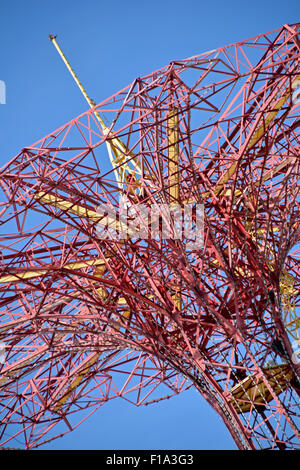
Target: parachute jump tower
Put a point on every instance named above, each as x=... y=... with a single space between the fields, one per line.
x=85 y=319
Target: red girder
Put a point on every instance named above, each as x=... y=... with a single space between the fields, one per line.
x=85 y=320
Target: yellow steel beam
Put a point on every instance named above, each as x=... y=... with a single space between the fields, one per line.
x=76 y=209
x=173 y=156
x=76 y=382
x=83 y=371
x=116 y=149
x=252 y=390
x=88 y=99
x=258 y=133
x=173 y=174
x=67 y=206
x=228 y=192
x=31 y=273
x=13 y=369
x=288 y=293
x=270 y=117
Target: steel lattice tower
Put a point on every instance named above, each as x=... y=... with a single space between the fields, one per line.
x=86 y=319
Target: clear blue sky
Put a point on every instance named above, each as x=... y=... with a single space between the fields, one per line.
x=109 y=43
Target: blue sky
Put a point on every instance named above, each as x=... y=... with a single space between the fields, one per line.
x=109 y=44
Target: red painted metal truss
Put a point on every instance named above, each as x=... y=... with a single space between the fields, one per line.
x=85 y=319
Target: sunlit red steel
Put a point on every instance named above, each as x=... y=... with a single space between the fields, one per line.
x=85 y=320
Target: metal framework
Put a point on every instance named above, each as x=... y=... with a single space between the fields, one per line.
x=85 y=319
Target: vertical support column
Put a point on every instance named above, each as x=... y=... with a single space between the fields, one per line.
x=173 y=156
